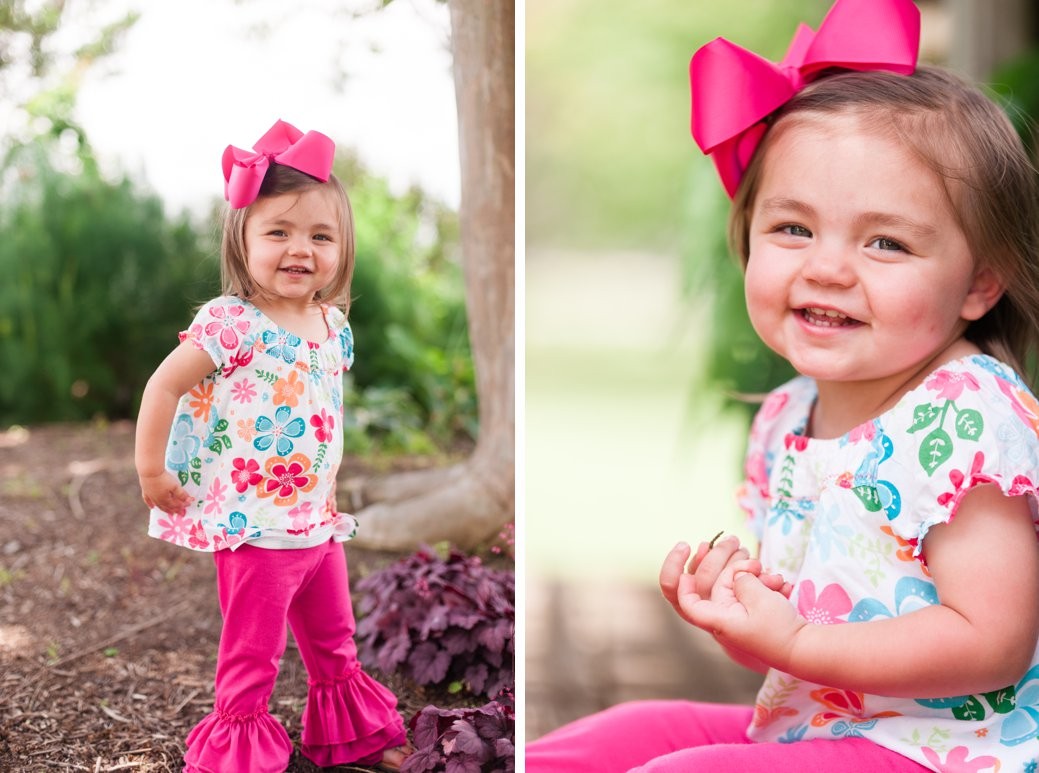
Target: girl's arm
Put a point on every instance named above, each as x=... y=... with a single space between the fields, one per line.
x=184 y=368
x=979 y=637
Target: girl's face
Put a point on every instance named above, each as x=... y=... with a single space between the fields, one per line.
x=291 y=244
x=858 y=274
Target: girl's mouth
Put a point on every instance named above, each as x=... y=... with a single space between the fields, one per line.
x=296 y=270
x=820 y=317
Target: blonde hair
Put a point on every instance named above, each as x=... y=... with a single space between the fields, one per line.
x=969 y=143
x=280 y=180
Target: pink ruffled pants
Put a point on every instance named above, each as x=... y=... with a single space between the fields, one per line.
x=679 y=736
x=349 y=717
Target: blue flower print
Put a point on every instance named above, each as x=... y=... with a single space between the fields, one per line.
x=910 y=594
x=1022 y=724
x=281 y=344
x=278 y=430
x=794 y=734
x=183 y=446
x=236 y=524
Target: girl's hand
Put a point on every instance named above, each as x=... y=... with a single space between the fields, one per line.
x=744 y=614
x=164 y=492
x=707 y=566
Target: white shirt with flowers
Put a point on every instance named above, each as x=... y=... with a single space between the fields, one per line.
x=257 y=443
x=844 y=520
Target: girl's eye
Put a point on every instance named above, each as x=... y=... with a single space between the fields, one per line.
x=883 y=243
x=323 y=237
x=276 y=233
x=796 y=230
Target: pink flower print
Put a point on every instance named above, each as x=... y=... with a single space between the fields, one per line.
x=957 y=761
x=324 y=424
x=797 y=442
x=198 y=539
x=949 y=385
x=961 y=483
x=866 y=431
x=773 y=404
x=175 y=528
x=243 y=391
x=1023 y=403
x=831 y=605
x=237 y=361
x=227 y=325
x=301 y=519
x=246 y=473
x=215 y=497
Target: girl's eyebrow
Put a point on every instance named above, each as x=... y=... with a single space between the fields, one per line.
x=281 y=222
x=781 y=204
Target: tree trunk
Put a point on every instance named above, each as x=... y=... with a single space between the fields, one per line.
x=468 y=503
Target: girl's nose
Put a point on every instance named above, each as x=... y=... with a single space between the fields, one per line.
x=299 y=247
x=828 y=266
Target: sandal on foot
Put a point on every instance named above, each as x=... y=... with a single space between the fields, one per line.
x=394 y=757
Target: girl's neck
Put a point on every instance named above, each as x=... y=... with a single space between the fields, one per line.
x=841 y=406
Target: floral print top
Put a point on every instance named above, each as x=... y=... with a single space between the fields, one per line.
x=258 y=442
x=844 y=520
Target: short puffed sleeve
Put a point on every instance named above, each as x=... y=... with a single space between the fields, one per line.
x=223 y=329
x=973 y=422
x=783 y=411
x=340 y=327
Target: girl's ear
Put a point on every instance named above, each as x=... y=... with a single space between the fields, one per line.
x=983 y=294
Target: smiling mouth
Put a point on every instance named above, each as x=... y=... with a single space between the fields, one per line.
x=820 y=317
x=296 y=270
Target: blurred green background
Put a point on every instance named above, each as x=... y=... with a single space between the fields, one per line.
x=635 y=328
x=630 y=445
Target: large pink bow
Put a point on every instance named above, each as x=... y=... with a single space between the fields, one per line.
x=734 y=90
x=310 y=153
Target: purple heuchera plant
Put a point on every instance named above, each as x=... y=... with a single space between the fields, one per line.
x=440 y=620
x=476 y=740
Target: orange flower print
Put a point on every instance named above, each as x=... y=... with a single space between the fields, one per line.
x=905 y=549
x=203 y=401
x=288 y=390
x=846 y=705
x=286 y=479
x=246 y=430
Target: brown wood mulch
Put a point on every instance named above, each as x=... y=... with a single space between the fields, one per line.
x=108 y=638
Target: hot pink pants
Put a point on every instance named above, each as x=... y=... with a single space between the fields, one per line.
x=679 y=736
x=349 y=717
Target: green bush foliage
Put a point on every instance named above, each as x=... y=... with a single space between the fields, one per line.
x=98 y=281
x=95 y=280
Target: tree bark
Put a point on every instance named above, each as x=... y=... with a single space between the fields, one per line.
x=471 y=501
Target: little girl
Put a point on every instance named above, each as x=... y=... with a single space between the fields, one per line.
x=238 y=442
x=887 y=219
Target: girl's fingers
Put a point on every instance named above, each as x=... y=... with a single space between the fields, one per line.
x=672 y=570
x=714 y=562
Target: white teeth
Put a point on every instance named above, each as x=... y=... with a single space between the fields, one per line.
x=825 y=312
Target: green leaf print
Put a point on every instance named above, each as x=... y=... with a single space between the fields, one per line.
x=924 y=415
x=935 y=450
x=972 y=709
x=969 y=424
x=1002 y=701
x=226 y=441
x=196 y=463
x=182 y=476
x=869 y=497
x=221 y=426
x=197 y=478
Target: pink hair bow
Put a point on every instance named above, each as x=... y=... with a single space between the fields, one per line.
x=310 y=153
x=734 y=90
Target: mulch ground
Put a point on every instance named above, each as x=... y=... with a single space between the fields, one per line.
x=108 y=638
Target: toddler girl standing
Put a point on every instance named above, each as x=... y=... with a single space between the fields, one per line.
x=239 y=440
x=888 y=222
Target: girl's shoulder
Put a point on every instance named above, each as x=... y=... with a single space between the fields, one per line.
x=786 y=408
x=973 y=388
